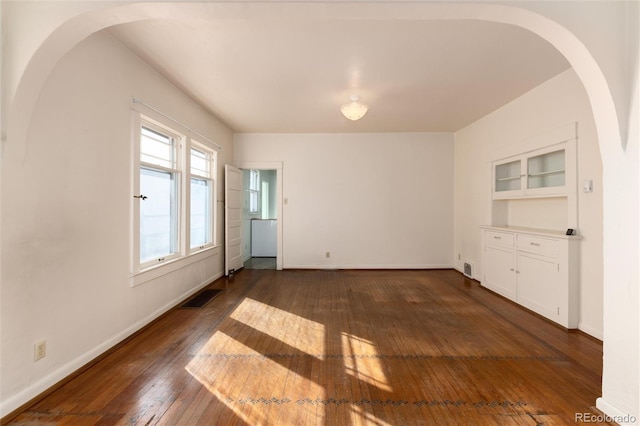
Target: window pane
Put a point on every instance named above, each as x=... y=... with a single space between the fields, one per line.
x=200 y=163
x=158 y=214
x=156 y=148
x=253 y=201
x=254 y=180
x=200 y=212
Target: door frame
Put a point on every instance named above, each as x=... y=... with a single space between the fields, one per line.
x=277 y=166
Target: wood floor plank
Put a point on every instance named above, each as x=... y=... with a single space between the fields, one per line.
x=338 y=347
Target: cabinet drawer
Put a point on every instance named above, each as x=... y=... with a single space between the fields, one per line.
x=533 y=244
x=499 y=238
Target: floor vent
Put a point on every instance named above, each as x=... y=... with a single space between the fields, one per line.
x=202 y=298
x=468 y=269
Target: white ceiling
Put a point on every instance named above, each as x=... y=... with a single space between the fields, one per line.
x=281 y=76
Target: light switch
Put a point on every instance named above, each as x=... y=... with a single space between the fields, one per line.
x=587 y=186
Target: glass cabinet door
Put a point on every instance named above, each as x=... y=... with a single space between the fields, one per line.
x=546 y=170
x=507 y=176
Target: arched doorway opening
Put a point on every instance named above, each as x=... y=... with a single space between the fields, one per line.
x=71 y=32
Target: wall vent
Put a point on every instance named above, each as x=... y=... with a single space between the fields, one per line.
x=468 y=269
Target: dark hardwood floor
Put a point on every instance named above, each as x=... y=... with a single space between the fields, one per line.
x=338 y=348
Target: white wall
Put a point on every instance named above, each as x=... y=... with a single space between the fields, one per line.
x=66 y=222
x=509 y=130
x=371 y=200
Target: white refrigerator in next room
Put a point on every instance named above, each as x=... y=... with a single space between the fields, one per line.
x=263 y=237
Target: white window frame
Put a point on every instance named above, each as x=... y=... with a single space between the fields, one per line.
x=141 y=272
x=176 y=172
x=209 y=176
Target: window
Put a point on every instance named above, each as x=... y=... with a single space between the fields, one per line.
x=159 y=184
x=201 y=208
x=174 y=189
x=254 y=191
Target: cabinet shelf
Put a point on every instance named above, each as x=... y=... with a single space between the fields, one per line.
x=551 y=172
x=506 y=179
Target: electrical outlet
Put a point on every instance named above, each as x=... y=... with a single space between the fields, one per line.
x=39 y=350
x=327 y=254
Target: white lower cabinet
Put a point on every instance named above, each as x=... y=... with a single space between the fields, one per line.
x=537 y=269
x=540 y=284
x=499 y=263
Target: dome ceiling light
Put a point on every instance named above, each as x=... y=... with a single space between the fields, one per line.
x=354 y=110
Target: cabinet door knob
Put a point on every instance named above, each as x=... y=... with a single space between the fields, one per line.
x=511 y=269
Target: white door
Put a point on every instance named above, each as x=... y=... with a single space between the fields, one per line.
x=232 y=219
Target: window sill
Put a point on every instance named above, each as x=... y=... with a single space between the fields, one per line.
x=172 y=265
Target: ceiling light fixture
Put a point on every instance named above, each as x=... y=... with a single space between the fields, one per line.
x=354 y=110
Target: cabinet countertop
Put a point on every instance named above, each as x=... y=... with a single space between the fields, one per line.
x=533 y=231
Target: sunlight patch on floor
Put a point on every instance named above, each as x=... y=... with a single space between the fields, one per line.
x=254 y=387
x=300 y=333
x=360 y=361
x=360 y=416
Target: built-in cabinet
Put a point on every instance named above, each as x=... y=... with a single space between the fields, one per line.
x=537 y=269
x=540 y=173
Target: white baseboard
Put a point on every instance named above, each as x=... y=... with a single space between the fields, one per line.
x=614 y=414
x=590 y=331
x=25 y=395
x=376 y=266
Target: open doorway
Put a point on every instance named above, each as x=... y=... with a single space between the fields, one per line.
x=259 y=219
